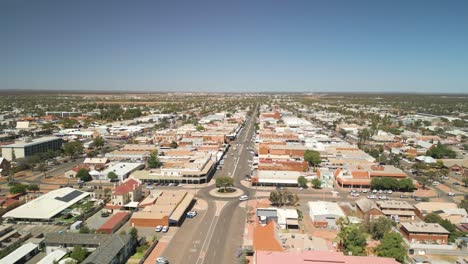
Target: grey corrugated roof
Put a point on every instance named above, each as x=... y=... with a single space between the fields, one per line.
x=108 y=249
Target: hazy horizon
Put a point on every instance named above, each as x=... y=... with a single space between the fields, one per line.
x=242 y=46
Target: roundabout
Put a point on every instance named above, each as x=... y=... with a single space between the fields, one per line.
x=236 y=193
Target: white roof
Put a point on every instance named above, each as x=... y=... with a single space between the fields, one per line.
x=53 y=256
x=19 y=253
x=48 y=205
x=22 y=144
x=325 y=208
x=122 y=168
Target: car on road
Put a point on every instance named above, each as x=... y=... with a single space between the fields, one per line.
x=192 y=214
x=419 y=199
x=404 y=196
x=383 y=197
x=451 y=194
x=456 y=183
x=435 y=183
x=158 y=228
x=162 y=260
x=301 y=188
x=165 y=229
x=372 y=196
x=149 y=187
x=243 y=198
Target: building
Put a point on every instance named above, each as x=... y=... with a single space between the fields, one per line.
x=112 y=249
x=421 y=232
x=10 y=237
x=30 y=147
x=129 y=191
x=315 y=257
x=325 y=214
x=285 y=218
x=53 y=257
x=401 y=210
x=21 y=254
x=448 y=211
x=122 y=169
x=272 y=177
x=368 y=209
x=169 y=208
x=114 y=223
x=46 y=207
x=356 y=176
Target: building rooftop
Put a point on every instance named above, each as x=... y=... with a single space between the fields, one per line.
x=393 y=204
x=422 y=227
x=22 y=144
x=19 y=253
x=126 y=186
x=325 y=208
x=48 y=205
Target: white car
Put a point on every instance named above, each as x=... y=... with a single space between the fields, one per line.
x=243 y=198
x=165 y=229
x=158 y=228
x=162 y=260
x=451 y=194
x=191 y=214
x=390 y=192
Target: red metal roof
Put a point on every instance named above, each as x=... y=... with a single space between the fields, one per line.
x=115 y=220
x=126 y=187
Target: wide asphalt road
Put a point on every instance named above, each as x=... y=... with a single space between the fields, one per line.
x=215 y=235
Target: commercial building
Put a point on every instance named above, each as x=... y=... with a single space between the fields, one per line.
x=21 y=254
x=285 y=218
x=46 y=207
x=325 y=214
x=448 y=211
x=29 y=147
x=168 y=209
x=356 y=176
x=122 y=169
x=270 y=177
x=428 y=233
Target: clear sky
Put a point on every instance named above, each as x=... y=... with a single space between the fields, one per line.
x=254 y=45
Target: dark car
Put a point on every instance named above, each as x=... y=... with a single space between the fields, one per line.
x=456 y=183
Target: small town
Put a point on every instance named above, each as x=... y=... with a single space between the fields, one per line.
x=187 y=178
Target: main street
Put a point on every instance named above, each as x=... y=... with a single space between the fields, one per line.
x=215 y=235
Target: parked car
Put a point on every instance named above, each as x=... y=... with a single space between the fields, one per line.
x=403 y=196
x=243 y=198
x=456 y=183
x=158 y=228
x=451 y=194
x=162 y=260
x=165 y=229
x=192 y=214
x=419 y=199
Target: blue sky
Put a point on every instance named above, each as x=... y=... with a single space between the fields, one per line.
x=241 y=46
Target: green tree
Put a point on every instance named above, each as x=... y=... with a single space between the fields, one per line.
x=79 y=254
x=43 y=168
x=432 y=218
x=316 y=183
x=283 y=197
x=153 y=160
x=440 y=151
x=83 y=174
x=391 y=246
x=133 y=232
x=353 y=240
x=98 y=142
x=85 y=230
x=224 y=182
x=302 y=181
x=200 y=128
x=73 y=148
x=312 y=157
x=379 y=227
x=112 y=176
x=18 y=188
x=33 y=187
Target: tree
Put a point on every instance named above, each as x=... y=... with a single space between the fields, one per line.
x=43 y=168
x=200 y=128
x=353 y=240
x=224 y=182
x=440 y=151
x=133 y=232
x=364 y=135
x=112 y=176
x=312 y=157
x=153 y=160
x=33 y=187
x=73 y=148
x=283 y=197
x=174 y=145
x=391 y=246
x=83 y=174
x=107 y=191
x=316 y=183
x=85 y=230
x=78 y=253
x=98 y=142
x=379 y=227
x=302 y=181
x=432 y=218
x=18 y=188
